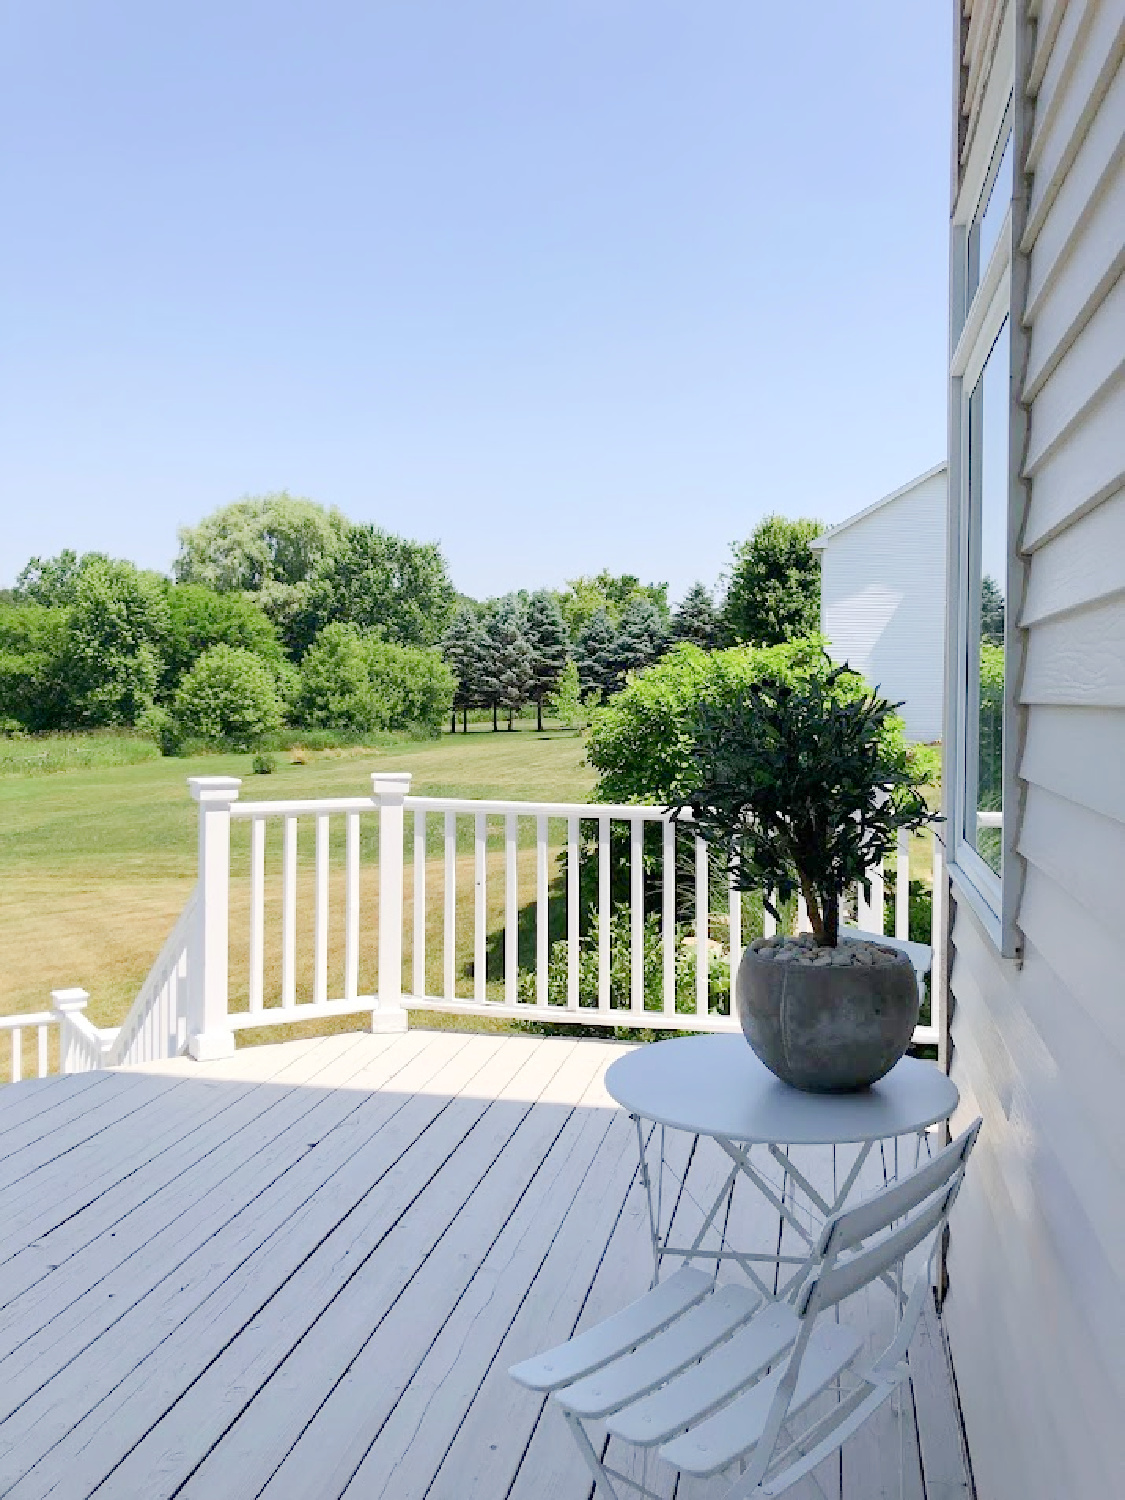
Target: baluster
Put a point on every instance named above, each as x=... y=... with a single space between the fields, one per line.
x=769 y=921
x=351 y=907
x=803 y=923
x=542 y=930
x=902 y=886
x=636 y=914
x=289 y=915
x=419 y=902
x=320 y=941
x=702 y=926
x=572 y=895
x=511 y=909
x=734 y=906
x=44 y=1043
x=480 y=909
x=257 y=911
x=16 y=1034
x=450 y=949
x=668 y=915
x=603 y=913
x=878 y=910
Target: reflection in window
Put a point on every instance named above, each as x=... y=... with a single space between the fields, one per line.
x=986 y=227
x=987 y=578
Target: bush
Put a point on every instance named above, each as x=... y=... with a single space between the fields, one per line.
x=356 y=684
x=641 y=743
x=264 y=764
x=34 y=692
x=229 y=696
x=118 y=633
x=201 y=618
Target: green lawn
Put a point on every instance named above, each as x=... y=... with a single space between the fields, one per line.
x=96 y=861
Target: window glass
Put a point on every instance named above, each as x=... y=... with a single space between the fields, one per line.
x=988 y=587
x=990 y=217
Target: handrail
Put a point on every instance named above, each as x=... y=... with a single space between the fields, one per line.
x=156 y=1026
x=38 y=1020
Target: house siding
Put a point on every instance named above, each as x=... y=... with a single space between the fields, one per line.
x=1036 y=1265
x=882 y=593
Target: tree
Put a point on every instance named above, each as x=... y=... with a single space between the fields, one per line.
x=583 y=597
x=334 y=687
x=35 y=692
x=549 y=641
x=465 y=647
x=509 y=677
x=773 y=594
x=276 y=539
x=228 y=696
x=565 y=701
x=200 y=618
x=599 y=664
x=118 y=634
x=53 y=580
x=991 y=612
x=642 y=636
x=696 y=619
x=397 y=588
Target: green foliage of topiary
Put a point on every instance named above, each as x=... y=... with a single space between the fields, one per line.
x=229 y=697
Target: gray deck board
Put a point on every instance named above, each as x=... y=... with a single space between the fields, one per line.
x=305 y=1270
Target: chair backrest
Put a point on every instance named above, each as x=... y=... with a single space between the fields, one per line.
x=921 y=1201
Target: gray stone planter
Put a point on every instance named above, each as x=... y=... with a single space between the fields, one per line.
x=827 y=1020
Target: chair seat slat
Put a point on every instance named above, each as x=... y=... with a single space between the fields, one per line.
x=662 y=1355
x=616 y=1335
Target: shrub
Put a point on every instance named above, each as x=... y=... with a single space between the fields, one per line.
x=229 y=696
x=357 y=684
x=264 y=764
x=201 y=618
x=34 y=694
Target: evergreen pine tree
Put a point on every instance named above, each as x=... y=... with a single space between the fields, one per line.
x=509 y=675
x=599 y=663
x=549 y=641
x=696 y=619
x=465 y=647
x=641 y=636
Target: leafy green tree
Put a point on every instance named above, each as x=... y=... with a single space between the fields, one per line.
x=413 y=687
x=549 y=641
x=773 y=594
x=509 y=677
x=565 y=701
x=991 y=612
x=397 y=588
x=465 y=647
x=641 y=637
x=584 y=597
x=599 y=664
x=696 y=620
x=334 y=689
x=53 y=580
x=200 y=618
x=35 y=693
x=118 y=634
x=263 y=539
x=229 y=696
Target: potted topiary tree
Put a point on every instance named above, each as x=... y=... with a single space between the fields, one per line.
x=802 y=787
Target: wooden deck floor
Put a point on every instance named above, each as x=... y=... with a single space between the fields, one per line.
x=304 y=1272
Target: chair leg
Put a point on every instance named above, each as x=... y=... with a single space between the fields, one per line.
x=593 y=1462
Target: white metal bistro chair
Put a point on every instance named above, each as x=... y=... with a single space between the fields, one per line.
x=713 y=1377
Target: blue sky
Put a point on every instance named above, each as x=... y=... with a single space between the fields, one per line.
x=564 y=284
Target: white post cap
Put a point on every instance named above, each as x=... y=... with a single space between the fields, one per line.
x=68 y=1000
x=215 y=788
x=391 y=785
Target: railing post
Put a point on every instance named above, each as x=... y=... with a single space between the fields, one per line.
x=66 y=1003
x=209 y=1034
x=389 y=790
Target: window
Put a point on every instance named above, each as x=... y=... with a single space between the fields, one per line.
x=987 y=579
x=979 y=759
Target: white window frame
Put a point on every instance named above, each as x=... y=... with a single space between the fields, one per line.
x=976 y=323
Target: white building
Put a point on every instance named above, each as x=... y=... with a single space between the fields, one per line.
x=882 y=597
x=1036 y=826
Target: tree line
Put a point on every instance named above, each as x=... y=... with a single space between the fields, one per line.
x=281 y=611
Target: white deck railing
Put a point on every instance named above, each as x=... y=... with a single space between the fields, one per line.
x=540 y=911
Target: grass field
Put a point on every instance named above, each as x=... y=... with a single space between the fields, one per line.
x=97 y=861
